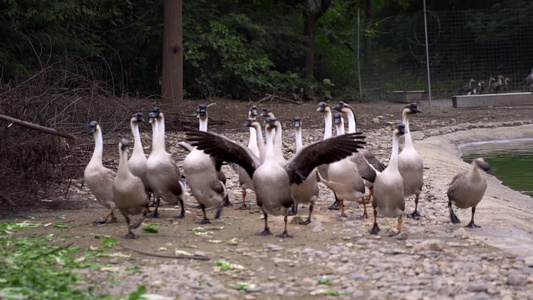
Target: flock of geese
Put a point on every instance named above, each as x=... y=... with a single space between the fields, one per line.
x=280 y=184
x=492 y=87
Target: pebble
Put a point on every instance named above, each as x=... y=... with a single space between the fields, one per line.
x=515 y=278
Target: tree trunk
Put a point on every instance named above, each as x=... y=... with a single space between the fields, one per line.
x=368 y=39
x=311 y=16
x=172 y=76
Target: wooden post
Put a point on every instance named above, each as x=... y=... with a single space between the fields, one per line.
x=37 y=127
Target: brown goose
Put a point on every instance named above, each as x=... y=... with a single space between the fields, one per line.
x=163 y=174
x=203 y=175
x=323 y=169
x=307 y=191
x=388 y=199
x=130 y=196
x=344 y=179
x=410 y=163
x=367 y=164
x=137 y=161
x=467 y=189
x=272 y=181
x=98 y=178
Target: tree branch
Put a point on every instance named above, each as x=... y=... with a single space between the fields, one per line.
x=37 y=127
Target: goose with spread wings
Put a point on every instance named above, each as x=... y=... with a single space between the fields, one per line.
x=272 y=182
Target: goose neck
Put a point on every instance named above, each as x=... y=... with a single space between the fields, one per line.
x=203 y=124
x=137 y=147
x=269 y=145
x=340 y=128
x=298 y=137
x=407 y=135
x=393 y=162
x=352 y=126
x=253 y=137
x=160 y=140
x=123 y=170
x=328 y=124
x=278 y=136
x=98 y=147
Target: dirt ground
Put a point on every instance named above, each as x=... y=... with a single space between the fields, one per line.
x=277 y=267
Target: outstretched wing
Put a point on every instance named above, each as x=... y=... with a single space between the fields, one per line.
x=323 y=152
x=223 y=149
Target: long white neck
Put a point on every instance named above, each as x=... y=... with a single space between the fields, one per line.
x=260 y=142
x=203 y=124
x=278 y=137
x=155 y=132
x=137 y=147
x=352 y=126
x=393 y=162
x=98 y=147
x=328 y=126
x=269 y=155
x=252 y=143
x=476 y=173
x=123 y=170
x=298 y=137
x=340 y=128
x=407 y=136
x=160 y=146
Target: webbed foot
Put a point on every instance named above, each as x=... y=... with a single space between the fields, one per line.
x=265 y=232
x=335 y=205
x=306 y=222
x=414 y=215
x=284 y=235
x=129 y=236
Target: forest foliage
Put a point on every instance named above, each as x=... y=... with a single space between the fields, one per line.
x=232 y=48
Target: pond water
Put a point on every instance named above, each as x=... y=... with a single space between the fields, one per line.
x=511 y=161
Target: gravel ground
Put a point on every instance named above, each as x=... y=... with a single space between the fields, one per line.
x=332 y=257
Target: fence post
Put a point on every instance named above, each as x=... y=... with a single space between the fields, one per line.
x=427 y=53
x=358 y=53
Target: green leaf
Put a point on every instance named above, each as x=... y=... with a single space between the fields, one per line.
x=60 y=217
x=242 y=287
x=335 y=293
x=109 y=242
x=61 y=226
x=152 y=228
x=324 y=281
x=137 y=295
x=223 y=265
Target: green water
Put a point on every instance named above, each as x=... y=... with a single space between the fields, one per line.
x=511 y=161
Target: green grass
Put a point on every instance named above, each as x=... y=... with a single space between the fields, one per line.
x=39 y=267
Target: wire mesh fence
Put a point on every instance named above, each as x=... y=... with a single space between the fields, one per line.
x=492 y=47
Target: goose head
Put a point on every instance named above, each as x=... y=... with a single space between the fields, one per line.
x=93 y=127
x=137 y=118
x=252 y=114
x=472 y=80
x=151 y=117
x=507 y=79
x=412 y=108
x=124 y=146
x=337 y=119
x=399 y=130
x=481 y=163
x=267 y=113
x=323 y=107
x=297 y=122
x=491 y=79
x=201 y=112
x=156 y=111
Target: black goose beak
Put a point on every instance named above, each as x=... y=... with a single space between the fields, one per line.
x=265 y=112
x=202 y=110
x=271 y=121
x=297 y=121
x=124 y=145
x=151 y=118
x=140 y=117
x=339 y=106
x=92 y=127
x=486 y=167
x=414 y=108
x=321 y=107
x=156 y=112
x=248 y=123
x=401 y=128
x=253 y=111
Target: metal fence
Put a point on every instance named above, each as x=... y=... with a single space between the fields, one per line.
x=463 y=45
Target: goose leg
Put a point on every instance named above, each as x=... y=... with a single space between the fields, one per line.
x=285 y=235
x=415 y=214
x=267 y=230
x=109 y=213
x=335 y=205
x=141 y=220
x=472 y=224
x=306 y=222
x=155 y=214
x=400 y=222
x=341 y=201
x=453 y=218
x=113 y=217
x=130 y=234
x=206 y=219
x=375 y=227
x=365 y=214
x=226 y=201
x=243 y=206
x=219 y=210
x=182 y=213
x=294 y=209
